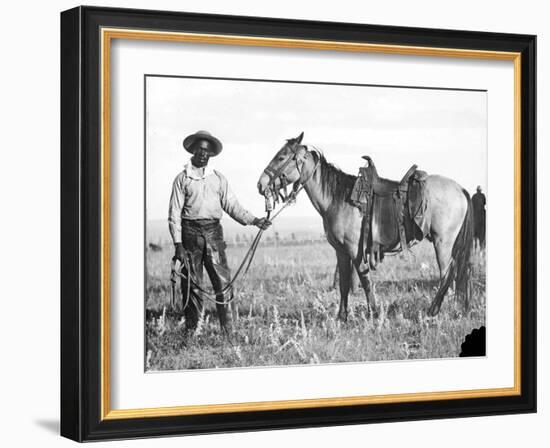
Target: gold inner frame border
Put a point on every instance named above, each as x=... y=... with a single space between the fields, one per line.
x=107 y=35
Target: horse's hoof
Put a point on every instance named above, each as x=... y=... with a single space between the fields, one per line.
x=342 y=318
x=228 y=336
x=372 y=312
x=226 y=329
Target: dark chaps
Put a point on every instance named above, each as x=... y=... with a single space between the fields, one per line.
x=205 y=248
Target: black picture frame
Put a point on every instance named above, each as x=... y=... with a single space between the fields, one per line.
x=81 y=224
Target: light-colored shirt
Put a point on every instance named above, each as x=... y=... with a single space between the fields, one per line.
x=202 y=195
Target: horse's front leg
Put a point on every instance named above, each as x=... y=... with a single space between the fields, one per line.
x=344 y=270
x=363 y=273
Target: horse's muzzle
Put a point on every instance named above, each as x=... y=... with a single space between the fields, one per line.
x=263 y=183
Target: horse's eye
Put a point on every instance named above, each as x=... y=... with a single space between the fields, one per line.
x=280 y=159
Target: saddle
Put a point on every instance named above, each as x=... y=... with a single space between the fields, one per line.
x=393 y=211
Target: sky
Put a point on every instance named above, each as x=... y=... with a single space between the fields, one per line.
x=442 y=131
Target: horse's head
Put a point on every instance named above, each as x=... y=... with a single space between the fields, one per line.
x=285 y=168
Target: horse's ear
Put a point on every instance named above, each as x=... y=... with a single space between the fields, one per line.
x=300 y=137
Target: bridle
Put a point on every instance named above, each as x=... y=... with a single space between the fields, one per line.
x=274 y=195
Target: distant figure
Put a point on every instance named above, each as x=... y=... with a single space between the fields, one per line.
x=478 y=203
x=155 y=247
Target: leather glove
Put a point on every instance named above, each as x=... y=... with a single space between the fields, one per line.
x=179 y=253
x=261 y=223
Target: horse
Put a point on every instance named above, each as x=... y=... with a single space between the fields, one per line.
x=449 y=218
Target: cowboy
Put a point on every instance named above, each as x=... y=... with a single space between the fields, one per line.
x=199 y=197
x=478 y=204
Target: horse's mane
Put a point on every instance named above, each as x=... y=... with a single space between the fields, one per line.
x=334 y=181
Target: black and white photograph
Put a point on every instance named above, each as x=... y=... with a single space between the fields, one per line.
x=295 y=223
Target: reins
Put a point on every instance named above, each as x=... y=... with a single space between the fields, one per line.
x=271 y=199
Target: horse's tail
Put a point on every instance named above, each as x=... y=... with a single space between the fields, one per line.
x=460 y=267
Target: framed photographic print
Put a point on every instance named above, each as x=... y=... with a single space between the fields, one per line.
x=275 y=224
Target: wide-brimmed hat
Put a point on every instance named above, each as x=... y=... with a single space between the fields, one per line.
x=203 y=135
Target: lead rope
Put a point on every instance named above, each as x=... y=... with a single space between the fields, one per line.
x=249 y=256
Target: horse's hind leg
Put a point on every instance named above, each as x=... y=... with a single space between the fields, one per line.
x=443 y=254
x=344 y=270
x=363 y=273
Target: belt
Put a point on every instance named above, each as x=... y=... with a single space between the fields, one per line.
x=200 y=223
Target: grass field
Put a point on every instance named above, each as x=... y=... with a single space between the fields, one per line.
x=286 y=313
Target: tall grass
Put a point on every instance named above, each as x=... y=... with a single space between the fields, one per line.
x=285 y=313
